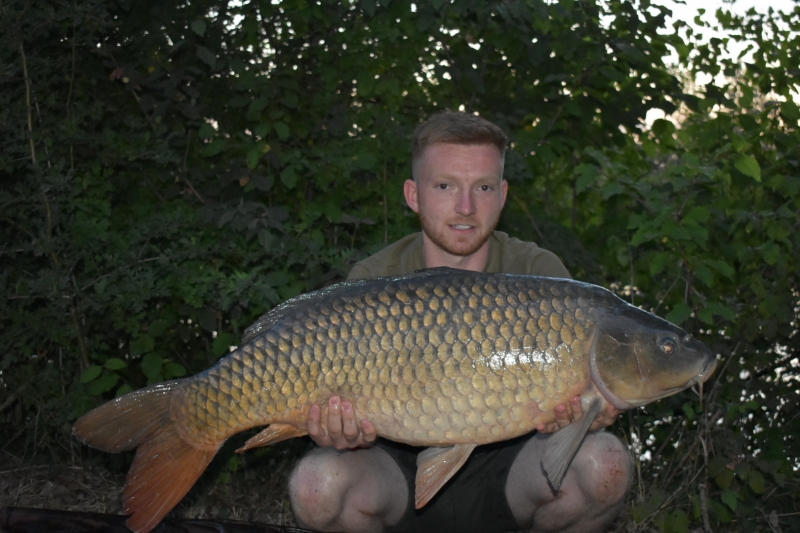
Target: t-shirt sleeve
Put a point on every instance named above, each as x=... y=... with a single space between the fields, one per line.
x=546 y=263
x=358 y=271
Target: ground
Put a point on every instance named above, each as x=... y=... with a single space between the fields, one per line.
x=250 y=488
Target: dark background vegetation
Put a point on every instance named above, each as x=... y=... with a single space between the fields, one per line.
x=169 y=171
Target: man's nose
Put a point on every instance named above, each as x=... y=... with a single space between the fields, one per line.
x=466 y=204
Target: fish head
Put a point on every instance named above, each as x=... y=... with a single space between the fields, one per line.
x=637 y=357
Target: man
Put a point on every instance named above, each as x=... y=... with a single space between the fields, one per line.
x=349 y=485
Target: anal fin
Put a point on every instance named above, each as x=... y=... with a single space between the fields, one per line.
x=562 y=446
x=271 y=435
x=435 y=467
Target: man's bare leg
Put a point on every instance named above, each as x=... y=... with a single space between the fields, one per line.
x=591 y=495
x=355 y=490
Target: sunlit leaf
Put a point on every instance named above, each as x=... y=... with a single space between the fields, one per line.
x=748 y=166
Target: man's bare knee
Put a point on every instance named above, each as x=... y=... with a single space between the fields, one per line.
x=316 y=489
x=604 y=467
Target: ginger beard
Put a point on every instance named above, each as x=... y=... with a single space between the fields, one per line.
x=461 y=245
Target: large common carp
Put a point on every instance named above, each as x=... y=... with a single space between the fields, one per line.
x=443 y=358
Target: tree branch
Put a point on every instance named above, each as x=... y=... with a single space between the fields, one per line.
x=28 y=102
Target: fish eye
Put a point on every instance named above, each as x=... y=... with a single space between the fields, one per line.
x=667 y=346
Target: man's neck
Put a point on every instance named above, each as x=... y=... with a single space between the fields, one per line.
x=436 y=257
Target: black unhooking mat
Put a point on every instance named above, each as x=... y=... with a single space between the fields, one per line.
x=30 y=520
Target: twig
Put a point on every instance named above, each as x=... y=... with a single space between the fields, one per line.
x=704 y=508
x=11 y=399
x=385 y=208
x=669 y=499
x=73 y=312
x=118 y=269
x=530 y=217
x=69 y=97
x=28 y=102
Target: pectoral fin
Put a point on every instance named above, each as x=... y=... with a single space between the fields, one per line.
x=435 y=466
x=562 y=446
x=274 y=433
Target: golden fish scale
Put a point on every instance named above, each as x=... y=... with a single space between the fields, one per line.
x=427 y=361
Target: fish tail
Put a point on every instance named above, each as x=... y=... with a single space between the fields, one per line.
x=166 y=465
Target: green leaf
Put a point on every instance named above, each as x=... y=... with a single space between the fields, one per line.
x=199 y=27
x=174 y=370
x=151 y=365
x=282 y=130
x=689 y=411
x=206 y=131
x=115 y=363
x=216 y=146
x=206 y=56
x=677 y=522
x=722 y=310
x=790 y=110
x=253 y=157
x=724 y=478
x=716 y=465
x=679 y=313
x=262 y=182
x=756 y=482
x=265 y=239
x=123 y=390
x=742 y=470
x=91 y=373
x=729 y=498
x=288 y=177
x=771 y=252
x=659 y=262
x=586 y=175
x=722 y=267
x=103 y=384
x=748 y=166
x=142 y=344
x=158 y=327
x=222 y=343
x=366 y=160
x=704 y=274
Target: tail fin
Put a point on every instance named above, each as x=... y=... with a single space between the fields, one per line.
x=166 y=466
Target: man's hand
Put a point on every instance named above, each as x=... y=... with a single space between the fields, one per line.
x=341 y=429
x=566 y=414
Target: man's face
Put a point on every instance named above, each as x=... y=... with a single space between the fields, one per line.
x=458 y=195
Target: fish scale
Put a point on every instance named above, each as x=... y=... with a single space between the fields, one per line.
x=442 y=358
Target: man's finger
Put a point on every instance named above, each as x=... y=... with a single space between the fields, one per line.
x=563 y=415
x=369 y=432
x=334 y=417
x=577 y=408
x=349 y=426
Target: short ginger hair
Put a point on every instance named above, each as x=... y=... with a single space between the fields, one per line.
x=454 y=127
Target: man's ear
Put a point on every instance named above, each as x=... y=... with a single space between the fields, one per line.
x=410 y=190
x=504 y=188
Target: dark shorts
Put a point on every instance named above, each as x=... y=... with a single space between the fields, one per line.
x=473 y=500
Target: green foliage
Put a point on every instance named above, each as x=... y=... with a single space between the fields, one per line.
x=169 y=172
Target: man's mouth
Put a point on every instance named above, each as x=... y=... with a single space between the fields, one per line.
x=461 y=226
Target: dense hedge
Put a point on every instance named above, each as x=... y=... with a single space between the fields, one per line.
x=169 y=171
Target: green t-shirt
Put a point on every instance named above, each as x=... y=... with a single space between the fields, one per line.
x=506 y=254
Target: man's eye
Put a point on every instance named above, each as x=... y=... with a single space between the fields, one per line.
x=442 y=186
x=485 y=188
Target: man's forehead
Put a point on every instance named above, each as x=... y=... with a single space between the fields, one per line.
x=446 y=145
